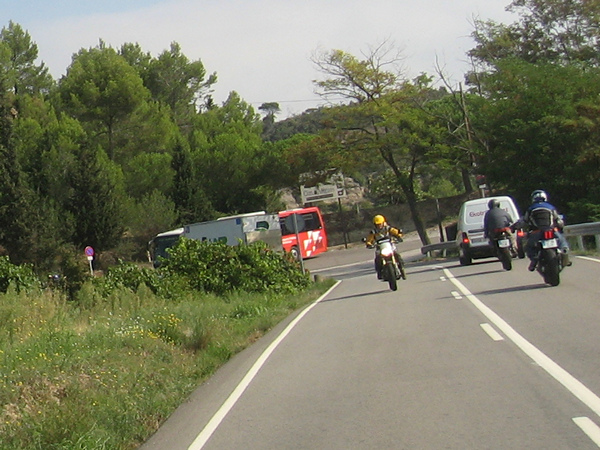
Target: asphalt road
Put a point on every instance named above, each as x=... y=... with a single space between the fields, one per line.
x=458 y=358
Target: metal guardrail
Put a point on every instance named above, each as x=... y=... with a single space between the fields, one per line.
x=577 y=231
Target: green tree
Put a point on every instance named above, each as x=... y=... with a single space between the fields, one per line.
x=304 y=154
x=176 y=81
x=15 y=197
x=387 y=117
x=146 y=217
x=138 y=59
x=538 y=120
x=191 y=202
x=149 y=129
x=148 y=172
x=557 y=31
x=538 y=94
x=96 y=199
x=270 y=109
x=229 y=156
x=24 y=75
x=102 y=90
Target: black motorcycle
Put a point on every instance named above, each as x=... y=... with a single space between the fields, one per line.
x=549 y=257
x=502 y=243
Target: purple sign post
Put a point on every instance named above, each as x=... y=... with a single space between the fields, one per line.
x=89 y=252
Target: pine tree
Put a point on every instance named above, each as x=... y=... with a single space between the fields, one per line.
x=14 y=205
x=190 y=200
x=94 y=201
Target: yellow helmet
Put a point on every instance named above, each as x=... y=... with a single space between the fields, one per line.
x=378 y=220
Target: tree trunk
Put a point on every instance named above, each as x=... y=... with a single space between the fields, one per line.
x=467 y=181
x=407 y=185
x=416 y=217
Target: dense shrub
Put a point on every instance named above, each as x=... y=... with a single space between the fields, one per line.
x=22 y=277
x=127 y=275
x=219 y=268
x=210 y=268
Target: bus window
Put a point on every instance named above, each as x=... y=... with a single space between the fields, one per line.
x=262 y=225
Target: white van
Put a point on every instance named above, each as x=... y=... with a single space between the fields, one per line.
x=469 y=234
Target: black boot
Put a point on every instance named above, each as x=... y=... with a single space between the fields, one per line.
x=532 y=265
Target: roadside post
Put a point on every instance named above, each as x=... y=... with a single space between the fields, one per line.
x=89 y=252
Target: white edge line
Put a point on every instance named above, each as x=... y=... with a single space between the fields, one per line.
x=491 y=332
x=589 y=428
x=218 y=417
x=577 y=388
x=587 y=258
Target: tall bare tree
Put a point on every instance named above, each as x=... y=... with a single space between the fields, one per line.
x=386 y=117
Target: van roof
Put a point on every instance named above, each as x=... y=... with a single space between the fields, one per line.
x=485 y=200
x=175 y=232
x=473 y=211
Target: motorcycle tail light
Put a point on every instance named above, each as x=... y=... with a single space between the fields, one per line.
x=549 y=234
x=520 y=233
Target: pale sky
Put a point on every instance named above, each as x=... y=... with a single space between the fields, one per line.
x=259 y=48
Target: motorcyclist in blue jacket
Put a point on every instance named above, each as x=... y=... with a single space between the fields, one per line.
x=539 y=216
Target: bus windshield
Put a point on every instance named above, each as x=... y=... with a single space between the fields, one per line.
x=159 y=246
x=311 y=232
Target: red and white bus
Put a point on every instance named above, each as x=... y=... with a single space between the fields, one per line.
x=311 y=231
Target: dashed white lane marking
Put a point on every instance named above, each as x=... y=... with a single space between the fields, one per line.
x=216 y=420
x=589 y=428
x=572 y=384
x=456 y=295
x=491 y=332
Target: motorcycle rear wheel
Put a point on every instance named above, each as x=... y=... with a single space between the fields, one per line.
x=506 y=258
x=551 y=271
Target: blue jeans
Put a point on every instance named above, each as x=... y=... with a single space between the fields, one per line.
x=533 y=238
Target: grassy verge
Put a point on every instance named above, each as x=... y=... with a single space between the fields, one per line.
x=104 y=373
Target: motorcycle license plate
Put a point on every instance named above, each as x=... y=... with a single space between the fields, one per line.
x=503 y=243
x=550 y=243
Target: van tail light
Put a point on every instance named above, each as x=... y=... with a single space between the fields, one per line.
x=548 y=234
x=465 y=239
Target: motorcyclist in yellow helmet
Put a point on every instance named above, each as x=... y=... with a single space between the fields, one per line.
x=381 y=230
